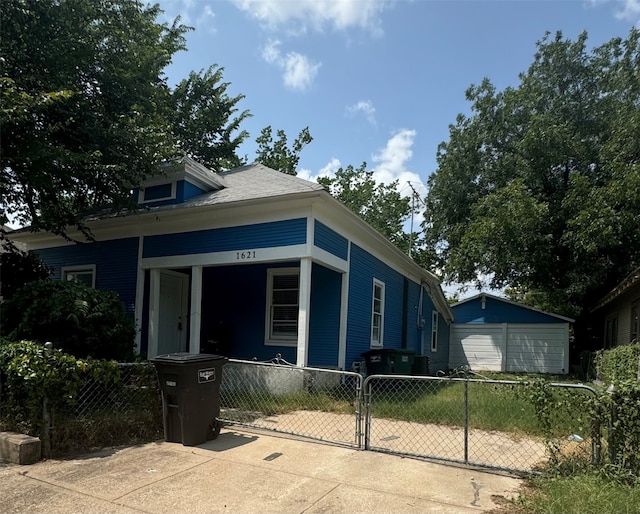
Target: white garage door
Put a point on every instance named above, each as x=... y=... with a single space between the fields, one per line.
x=533 y=348
x=539 y=348
x=480 y=346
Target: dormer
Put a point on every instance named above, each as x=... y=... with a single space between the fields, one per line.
x=176 y=183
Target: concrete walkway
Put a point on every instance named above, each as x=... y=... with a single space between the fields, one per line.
x=248 y=472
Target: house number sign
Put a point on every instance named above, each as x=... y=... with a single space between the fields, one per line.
x=246 y=255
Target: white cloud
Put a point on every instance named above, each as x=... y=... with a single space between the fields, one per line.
x=298 y=71
x=630 y=11
x=192 y=13
x=366 y=108
x=301 y=15
x=328 y=170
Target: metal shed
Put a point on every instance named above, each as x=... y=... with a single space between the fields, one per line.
x=495 y=334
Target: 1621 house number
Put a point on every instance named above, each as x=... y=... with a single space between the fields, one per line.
x=243 y=256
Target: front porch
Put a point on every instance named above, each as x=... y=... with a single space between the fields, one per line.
x=247 y=311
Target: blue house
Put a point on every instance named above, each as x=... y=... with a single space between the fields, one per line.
x=495 y=334
x=251 y=263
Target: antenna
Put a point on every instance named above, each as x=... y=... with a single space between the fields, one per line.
x=413 y=208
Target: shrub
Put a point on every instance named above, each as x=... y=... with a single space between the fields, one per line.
x=79 y=320
x=618 y=364
x=19 y=268
x=29 y=373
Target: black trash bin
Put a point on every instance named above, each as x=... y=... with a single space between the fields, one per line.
x=190 y=385
x=389 y=361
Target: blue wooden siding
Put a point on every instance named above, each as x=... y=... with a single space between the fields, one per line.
x=115 y=261
x=324 y=324
x=497 y=311
x=235 y=296
x=330 y=241
x=363 y=269
x=188 y=190
x=262 y=235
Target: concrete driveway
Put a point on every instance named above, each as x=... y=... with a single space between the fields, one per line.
x=244 y=471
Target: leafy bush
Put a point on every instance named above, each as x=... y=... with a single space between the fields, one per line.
x=29 y=373
x=618 y=364
x=90 y=403
x=79 y=320
x=19 y=268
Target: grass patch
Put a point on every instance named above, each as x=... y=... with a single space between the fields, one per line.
x=500 y=407
x=585 y=493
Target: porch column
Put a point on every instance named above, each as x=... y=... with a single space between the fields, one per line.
x=304 y=310
x=342 y=337
x=154 y=312
x=196 y=309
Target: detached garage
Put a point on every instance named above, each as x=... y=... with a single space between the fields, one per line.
x=495 y=334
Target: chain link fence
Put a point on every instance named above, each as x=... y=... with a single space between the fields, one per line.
x=125 y=409
x=315 y=403
x=497 y=424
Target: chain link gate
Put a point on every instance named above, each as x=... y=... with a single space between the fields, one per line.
x=488 y=423
x=315 y=403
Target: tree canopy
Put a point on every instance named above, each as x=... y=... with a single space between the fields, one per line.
x=87 y=111
x=277 y=154
x=539 y=187
x=380 y=205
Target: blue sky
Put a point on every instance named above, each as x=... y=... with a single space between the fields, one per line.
x=374 y=80
x=378 y=81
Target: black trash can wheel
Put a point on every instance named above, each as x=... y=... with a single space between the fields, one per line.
x=214 y=429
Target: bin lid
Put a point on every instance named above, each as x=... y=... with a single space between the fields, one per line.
x=382 y=351
x=187 y=358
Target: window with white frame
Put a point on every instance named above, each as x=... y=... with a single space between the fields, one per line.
x=635 y=321
x=157 y=193
x=84 y=274
x=377 y=314
x=283 y=287
x=434 y=331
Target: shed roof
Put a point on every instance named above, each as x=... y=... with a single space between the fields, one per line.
x=510 y=302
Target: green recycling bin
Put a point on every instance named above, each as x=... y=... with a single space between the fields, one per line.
x=389 y=361
x=190 y=386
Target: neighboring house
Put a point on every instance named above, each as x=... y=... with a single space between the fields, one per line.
x=251 y=263
x=618 y=313
x=495 y=334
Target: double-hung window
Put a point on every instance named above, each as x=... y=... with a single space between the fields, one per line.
x=434 y=331
x=283 y=287
x=83 y=274
x=377 y=314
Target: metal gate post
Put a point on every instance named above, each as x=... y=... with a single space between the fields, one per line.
x=466 y=421
x=367 y=402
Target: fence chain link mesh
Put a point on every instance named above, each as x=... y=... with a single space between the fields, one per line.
x=490 y=423
x=310 y=402
x=110 y=412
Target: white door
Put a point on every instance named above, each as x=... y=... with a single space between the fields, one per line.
x=173 y=322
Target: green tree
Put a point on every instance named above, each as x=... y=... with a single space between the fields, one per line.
x=86 y=110
x=203 y=122
x=380 y=205
x=539 y=188
x=277 y=154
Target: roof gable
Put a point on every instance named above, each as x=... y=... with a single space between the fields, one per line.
x=487 y=308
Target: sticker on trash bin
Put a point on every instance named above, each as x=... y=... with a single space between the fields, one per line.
x=206 y=375
x=170 y=383
x=375 y=358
